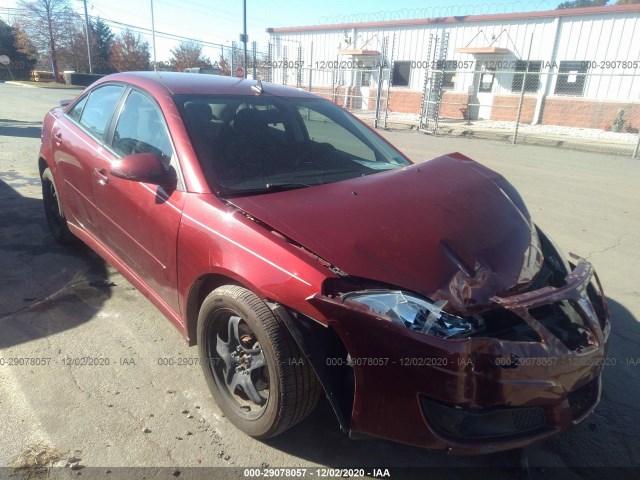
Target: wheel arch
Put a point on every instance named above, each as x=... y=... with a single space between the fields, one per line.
x=200 y=288
x=320 y=344
x=42 y=165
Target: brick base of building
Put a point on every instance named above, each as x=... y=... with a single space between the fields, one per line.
x=454 y=105
x=561 y=111
x=405 y=101
x=585 y=113
x=505 y=108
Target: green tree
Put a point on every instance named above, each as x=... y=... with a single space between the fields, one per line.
x=103 y=38
x=628 y=2
x=44 y=21
x=21 y=52
x=129 y=52
x=582 y=4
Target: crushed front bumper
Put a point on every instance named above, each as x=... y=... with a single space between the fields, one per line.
x=477 y=394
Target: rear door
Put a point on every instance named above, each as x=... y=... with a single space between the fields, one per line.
x=79 y=138
x=139 y=221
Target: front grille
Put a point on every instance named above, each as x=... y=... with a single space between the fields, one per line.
x=564 y=321
x=527 y=418
x=583 y=398
x=462 y=423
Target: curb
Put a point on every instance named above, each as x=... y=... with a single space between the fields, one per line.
x=13 y=82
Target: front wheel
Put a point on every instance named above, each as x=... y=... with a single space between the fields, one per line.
x=53 y=210
x=253 y=367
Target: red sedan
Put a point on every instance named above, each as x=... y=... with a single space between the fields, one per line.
x=303 y=253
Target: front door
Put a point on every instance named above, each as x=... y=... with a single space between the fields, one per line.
x=484 y=82
x=139 y=221
x=364 y=77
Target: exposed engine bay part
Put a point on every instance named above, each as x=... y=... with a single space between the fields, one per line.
x=321 y=344
x=537 y=377
x=559 y=316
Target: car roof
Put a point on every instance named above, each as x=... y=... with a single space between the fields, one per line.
x=177 y=83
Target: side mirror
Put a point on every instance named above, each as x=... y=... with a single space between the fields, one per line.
x=143 y=167
x=65 y=103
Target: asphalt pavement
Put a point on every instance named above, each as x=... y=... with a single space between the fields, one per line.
x=132 y=409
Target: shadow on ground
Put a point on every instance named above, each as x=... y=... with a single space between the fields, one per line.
x=39 y=274
x=606 y=443
x=17 y=128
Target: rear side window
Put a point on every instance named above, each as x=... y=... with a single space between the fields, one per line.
x=98 y=108
x=76 y=111
x=141 y=128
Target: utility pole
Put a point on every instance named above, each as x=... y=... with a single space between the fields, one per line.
x=153 y=37
x=86 y=22
x=244 y=37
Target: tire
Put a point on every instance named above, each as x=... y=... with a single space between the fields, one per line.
x=53 y=211
x=285 y=389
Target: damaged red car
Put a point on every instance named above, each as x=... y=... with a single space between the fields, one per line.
x=303 y=254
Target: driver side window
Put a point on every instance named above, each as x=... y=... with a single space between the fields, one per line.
x=141 y=128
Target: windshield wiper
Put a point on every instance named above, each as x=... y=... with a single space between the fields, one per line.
x=267 y=188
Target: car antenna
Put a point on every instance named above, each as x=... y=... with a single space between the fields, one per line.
x=257 y=87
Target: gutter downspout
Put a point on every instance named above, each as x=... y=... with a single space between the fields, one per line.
x=547 y=79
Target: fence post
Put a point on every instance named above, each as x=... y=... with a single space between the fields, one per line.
x=270 y=63
x=233 y=59
x=386 y=106
x=284 y=65
x=378 y=94
x=520 y=101
x=522 y=89
x=311 y=68
x=299 y=68
x=254 y=61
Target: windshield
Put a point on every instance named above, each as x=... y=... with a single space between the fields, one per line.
x=249 y=145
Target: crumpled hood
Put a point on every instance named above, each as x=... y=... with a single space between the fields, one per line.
x=447 y=228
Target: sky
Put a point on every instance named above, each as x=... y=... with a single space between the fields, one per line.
x=221 y=21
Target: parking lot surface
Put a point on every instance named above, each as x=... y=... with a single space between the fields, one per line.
x=141 y=401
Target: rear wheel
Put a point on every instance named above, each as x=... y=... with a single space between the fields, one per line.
x=53 y=210
x=252 y=365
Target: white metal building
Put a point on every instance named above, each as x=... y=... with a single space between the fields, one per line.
x=583 y=64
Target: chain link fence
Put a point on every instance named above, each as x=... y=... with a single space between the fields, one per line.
x=524 y=105
x=572 y=104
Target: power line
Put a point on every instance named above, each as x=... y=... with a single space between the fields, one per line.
x=135 y=28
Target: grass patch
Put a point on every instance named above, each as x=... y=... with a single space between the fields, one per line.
x=36 y=459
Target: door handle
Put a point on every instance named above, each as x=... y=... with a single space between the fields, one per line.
x=58 y=138
x=101 y=175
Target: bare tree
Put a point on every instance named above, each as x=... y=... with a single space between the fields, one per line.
x=72 y=47
x=188 y=54
x=44 y=22
x=129 y=51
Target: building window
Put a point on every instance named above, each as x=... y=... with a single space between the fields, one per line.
x=533 y=76
x=571 y=78
x=486 y=80
x=401 y=73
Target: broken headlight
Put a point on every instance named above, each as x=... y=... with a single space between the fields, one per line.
x=412 y=312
